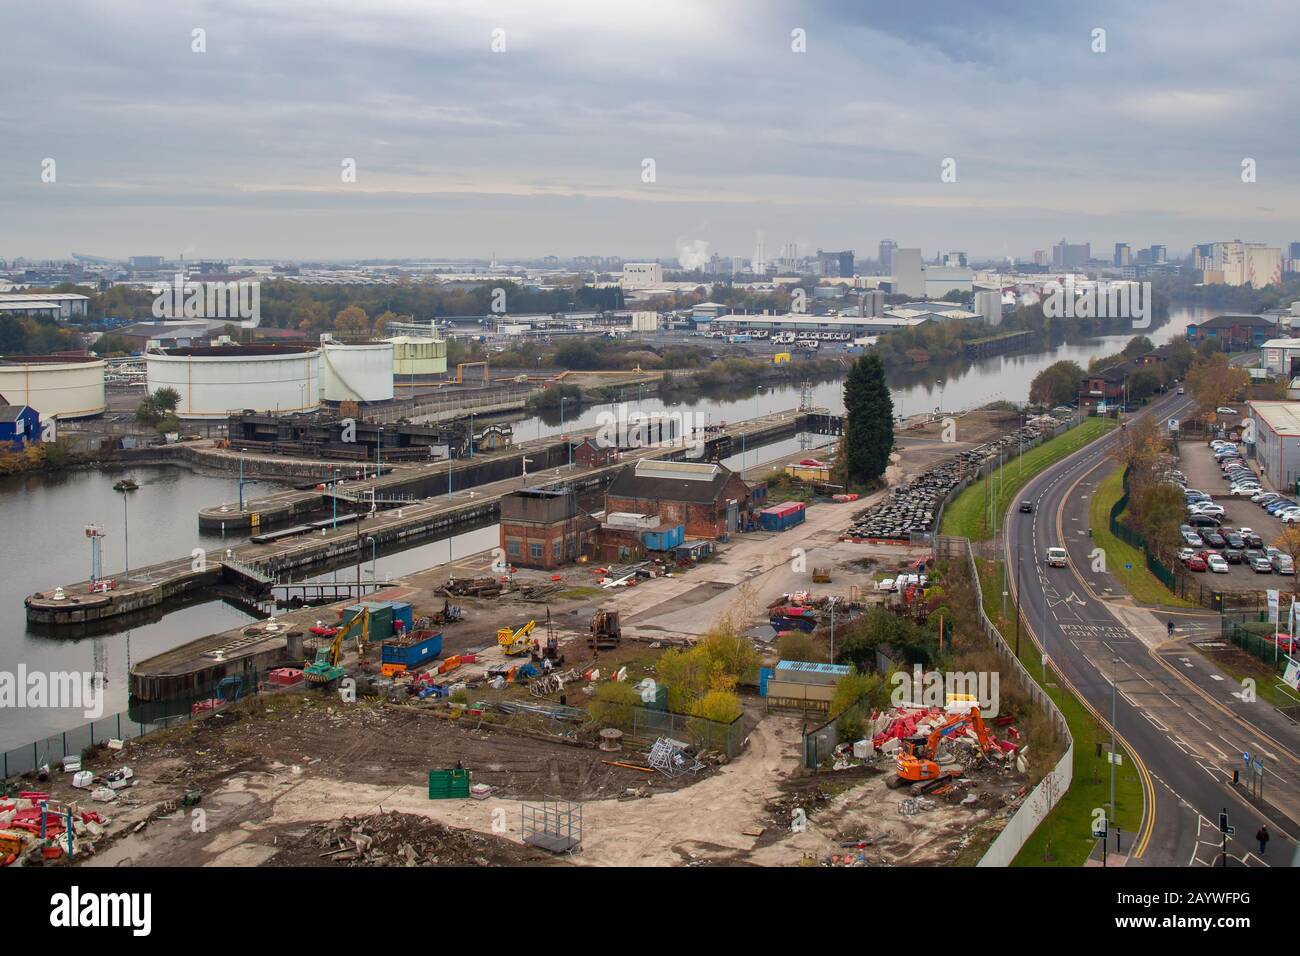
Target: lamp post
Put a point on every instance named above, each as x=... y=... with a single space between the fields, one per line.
x=939 y=383
x=374 y=575
x=568 y=444
x=1114 y=679
x=126 y=534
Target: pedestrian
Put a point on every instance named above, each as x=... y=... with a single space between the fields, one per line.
x=1262 y=837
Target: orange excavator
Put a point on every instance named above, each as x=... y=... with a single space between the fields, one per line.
x=916 y=761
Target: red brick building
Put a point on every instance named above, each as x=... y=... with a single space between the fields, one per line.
x=544 y=528
x=591 y=455
x=707 y=498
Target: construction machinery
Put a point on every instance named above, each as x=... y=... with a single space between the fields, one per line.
x=916 y=760
x=326 y=670
x=605 y=631
x=516 y=642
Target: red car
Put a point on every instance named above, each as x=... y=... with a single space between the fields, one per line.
x=1197 y=563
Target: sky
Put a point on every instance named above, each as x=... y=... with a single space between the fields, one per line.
x=642 y=129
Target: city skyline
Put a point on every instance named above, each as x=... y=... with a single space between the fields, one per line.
x=540 y=149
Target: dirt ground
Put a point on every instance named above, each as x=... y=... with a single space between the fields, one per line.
x=289 y=777
x=275 y=794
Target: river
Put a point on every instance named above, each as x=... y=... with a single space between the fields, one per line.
x=45 y=517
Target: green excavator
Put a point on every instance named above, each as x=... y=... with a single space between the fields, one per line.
x=326 y=670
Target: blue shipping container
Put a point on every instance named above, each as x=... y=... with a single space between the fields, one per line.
x=413 y=650
x=402 y=612
x=664 y=540
x=782 y=517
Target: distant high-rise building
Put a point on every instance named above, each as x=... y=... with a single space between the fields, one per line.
x=887 y=247
x=908 y=272
x=642 y=275
x=1123 y=255
x=988 y=303
x=1238 y=263
x=1071 y=256
x=955 y=260
x=835 y=264
x=1041 y=257
x=1293 y=251
x=873 y=303
x=1159 y=255
x=146 y=262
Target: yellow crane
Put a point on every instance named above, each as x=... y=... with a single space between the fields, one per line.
x=515 y=642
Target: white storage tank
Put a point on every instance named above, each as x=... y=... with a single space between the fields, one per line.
x=217 y=380
x=57 y=386
x=356 y=372
x=416 y=357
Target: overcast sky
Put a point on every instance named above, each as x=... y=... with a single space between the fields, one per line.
x=464 y=152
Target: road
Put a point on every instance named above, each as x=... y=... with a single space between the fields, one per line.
x=1175 y=713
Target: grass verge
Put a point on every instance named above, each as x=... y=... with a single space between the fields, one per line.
x=1064 y=837
x=966 y=516
x=1127 y=563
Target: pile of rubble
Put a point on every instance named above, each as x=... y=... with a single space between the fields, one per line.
x=400 y=839
x=913 y=507
x=34 y=829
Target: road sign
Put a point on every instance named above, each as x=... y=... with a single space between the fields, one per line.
x=1223 y=823
x=1116 y=758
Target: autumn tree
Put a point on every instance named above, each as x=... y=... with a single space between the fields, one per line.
x=1056 y=384
x=1288 y=542
x=352 y=322
x=1215 y=381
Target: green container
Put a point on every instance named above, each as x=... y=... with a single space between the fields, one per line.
x=381 y=619
x=448 y=784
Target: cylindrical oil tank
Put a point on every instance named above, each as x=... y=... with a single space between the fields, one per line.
x=357 y=372
x=217 y=380
x=57 y=386
x=418 y=357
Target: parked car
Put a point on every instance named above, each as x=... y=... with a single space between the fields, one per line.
x=1214 y=539
x=1262 y=565
x=1282 y=504
x=1225 y=410
x=1196 y=563
x=1233 y=555
x=1193 y=539
x=1203 y=521
x=1264 y=497
x=1233 y=539
x=1057 y=558
x=1206 y=508
x=1185 y=553
x=1217 y=563
x=1282 y=564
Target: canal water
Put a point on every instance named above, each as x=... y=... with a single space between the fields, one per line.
x=45 y=517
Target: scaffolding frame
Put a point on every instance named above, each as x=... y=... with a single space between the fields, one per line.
x=554 y=825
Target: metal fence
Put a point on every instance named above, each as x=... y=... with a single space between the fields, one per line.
x=1180 y=582
x=1056 y=782
x=144 y=718
x=820 y=742
x=986 y=469
x=1254 y=633
x=52 y=749
x=700 y=732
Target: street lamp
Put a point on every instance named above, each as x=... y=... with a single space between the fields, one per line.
x=939 y=383
x=568 y=444
x=125 y=488
x=1114 y=679
x=374 y=576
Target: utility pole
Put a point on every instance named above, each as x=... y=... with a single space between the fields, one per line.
x=1114 y=679
x=1019 y=602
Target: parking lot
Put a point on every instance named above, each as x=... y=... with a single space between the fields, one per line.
x=1197 y=463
